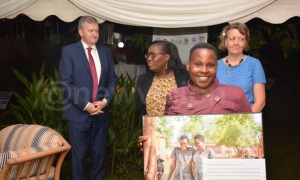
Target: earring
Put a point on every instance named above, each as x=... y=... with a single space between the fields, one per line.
x=167 y=65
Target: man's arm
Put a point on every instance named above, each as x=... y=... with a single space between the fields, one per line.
x=71 y=92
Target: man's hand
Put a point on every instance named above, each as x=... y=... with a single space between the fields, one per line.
x=100 y=104
x=95 y=108
x=141 y=140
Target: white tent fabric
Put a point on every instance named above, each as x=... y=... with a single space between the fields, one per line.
x=276 y=13
x=170 y=13
x=8 y=7
x=38 y=10
x=155 y=13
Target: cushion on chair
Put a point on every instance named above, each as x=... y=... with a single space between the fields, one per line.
x=23 y=152
x=21 y=140
x=22 y=136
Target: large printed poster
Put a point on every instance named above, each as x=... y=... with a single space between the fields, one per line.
x=183 y=42
x=204 y=147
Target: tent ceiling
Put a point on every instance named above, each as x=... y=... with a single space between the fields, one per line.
x=38 y=10
x=155 y=13
x=276 y=13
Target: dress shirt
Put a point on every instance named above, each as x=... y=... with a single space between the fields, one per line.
x=96 y=58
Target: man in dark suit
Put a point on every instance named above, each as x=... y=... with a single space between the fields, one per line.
x=86 y=107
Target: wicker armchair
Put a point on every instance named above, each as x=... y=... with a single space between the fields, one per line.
x=29 y=152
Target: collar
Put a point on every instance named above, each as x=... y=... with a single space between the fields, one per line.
x=86 y=46
x=212 y=88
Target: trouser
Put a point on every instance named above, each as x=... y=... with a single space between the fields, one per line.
x=91 y=137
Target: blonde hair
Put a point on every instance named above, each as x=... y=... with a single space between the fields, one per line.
x=242 y=28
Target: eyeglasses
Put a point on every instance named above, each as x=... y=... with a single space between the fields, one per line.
x=152 y=55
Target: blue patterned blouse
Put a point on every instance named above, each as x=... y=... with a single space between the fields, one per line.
x=244 y=75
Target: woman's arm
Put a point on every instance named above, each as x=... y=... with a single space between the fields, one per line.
x=172 y=167
x=193 y=169
x=259 y=97
x=211 y=154
x=141 y=141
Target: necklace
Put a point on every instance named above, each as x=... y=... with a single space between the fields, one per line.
x=226 y=60
x=229 y=65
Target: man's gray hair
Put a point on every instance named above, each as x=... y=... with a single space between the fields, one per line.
x=88 y=19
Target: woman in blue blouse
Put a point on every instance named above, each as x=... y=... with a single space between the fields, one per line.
x=239 y=69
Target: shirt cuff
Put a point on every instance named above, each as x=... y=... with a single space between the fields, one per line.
x=86 y=106
x=104 y=99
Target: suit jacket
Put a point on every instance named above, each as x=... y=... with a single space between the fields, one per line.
x=76 y=79
x=222 y=99
x=144 y=82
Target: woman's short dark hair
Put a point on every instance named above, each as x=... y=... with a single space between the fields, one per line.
x=199 y=137
x=242 y=28
x=169 y=48
x=203 y=46
x=183 y=137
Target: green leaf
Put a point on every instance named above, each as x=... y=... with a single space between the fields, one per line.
x=21 y=78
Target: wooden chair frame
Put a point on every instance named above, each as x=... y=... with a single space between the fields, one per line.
x=61 y=151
